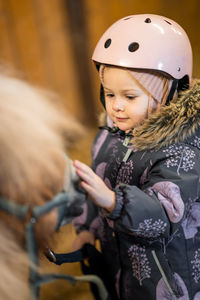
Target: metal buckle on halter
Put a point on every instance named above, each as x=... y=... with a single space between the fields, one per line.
x=50 y=255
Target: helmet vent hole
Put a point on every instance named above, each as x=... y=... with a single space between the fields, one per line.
x=148 y=20
x=168 y=22
x=179 y=69
x=107 y=43
x=133 y=47
x=127 y=18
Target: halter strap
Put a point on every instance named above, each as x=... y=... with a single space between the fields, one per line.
x=62 y=258
x=36 y=279
x=13 y=208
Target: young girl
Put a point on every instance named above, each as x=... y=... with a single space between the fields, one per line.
x=145 y=178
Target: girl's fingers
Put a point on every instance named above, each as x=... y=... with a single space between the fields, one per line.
x=82 y=166
x=86 y=177
x=87 y=188
x=84 y=171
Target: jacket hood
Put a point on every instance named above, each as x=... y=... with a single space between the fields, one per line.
x=174 y=123
x=171 y=124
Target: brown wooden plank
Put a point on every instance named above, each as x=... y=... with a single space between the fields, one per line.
x=8 y=52
x=26 y=40
x=56 y=51
x=79 y=41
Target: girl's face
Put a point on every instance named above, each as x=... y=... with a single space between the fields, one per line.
x=126 y=103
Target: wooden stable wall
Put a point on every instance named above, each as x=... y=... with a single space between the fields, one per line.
x=35 y=40
x=50 y=42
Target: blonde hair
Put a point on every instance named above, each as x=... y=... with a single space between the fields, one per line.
x=155 y=84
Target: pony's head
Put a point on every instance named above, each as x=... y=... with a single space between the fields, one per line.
x=38 y=186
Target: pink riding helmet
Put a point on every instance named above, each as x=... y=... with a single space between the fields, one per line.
x=146 y=41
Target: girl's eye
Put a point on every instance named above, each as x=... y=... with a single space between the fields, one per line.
x=130 y=97
x=109 y=95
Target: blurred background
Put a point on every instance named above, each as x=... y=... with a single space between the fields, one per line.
x=50 y=43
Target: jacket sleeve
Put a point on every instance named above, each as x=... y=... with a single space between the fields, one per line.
x=159 y=206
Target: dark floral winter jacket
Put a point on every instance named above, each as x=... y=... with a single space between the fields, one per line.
x=151 y=241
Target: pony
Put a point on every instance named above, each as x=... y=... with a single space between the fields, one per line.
x=34 y=135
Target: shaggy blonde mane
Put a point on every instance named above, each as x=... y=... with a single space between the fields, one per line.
x=34 y=133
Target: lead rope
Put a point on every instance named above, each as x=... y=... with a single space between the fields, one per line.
x=37 y=279
x=103 y=294
x=78 y=256
x=47 y=278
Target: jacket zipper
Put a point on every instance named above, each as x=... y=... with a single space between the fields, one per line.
x=129 y=151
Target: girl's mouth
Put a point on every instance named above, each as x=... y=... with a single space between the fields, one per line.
x=121 y=119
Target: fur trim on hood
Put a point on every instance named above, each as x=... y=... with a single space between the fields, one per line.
x=171 y=124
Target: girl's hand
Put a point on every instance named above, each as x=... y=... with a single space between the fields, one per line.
x=95 y=187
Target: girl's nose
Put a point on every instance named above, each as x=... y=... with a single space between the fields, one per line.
x=118 y=104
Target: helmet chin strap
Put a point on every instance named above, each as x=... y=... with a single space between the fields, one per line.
x=172 y=91
x=102 y=97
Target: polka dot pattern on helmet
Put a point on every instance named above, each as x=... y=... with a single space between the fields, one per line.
x=107 y=43
x=133 y=47
x=127 y=18
x=148 y=42
x=168 y=22
x=148 y=20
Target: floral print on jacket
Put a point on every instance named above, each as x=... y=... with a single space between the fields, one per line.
x=151 y=240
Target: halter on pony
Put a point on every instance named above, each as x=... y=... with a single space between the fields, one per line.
x=71 y=195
